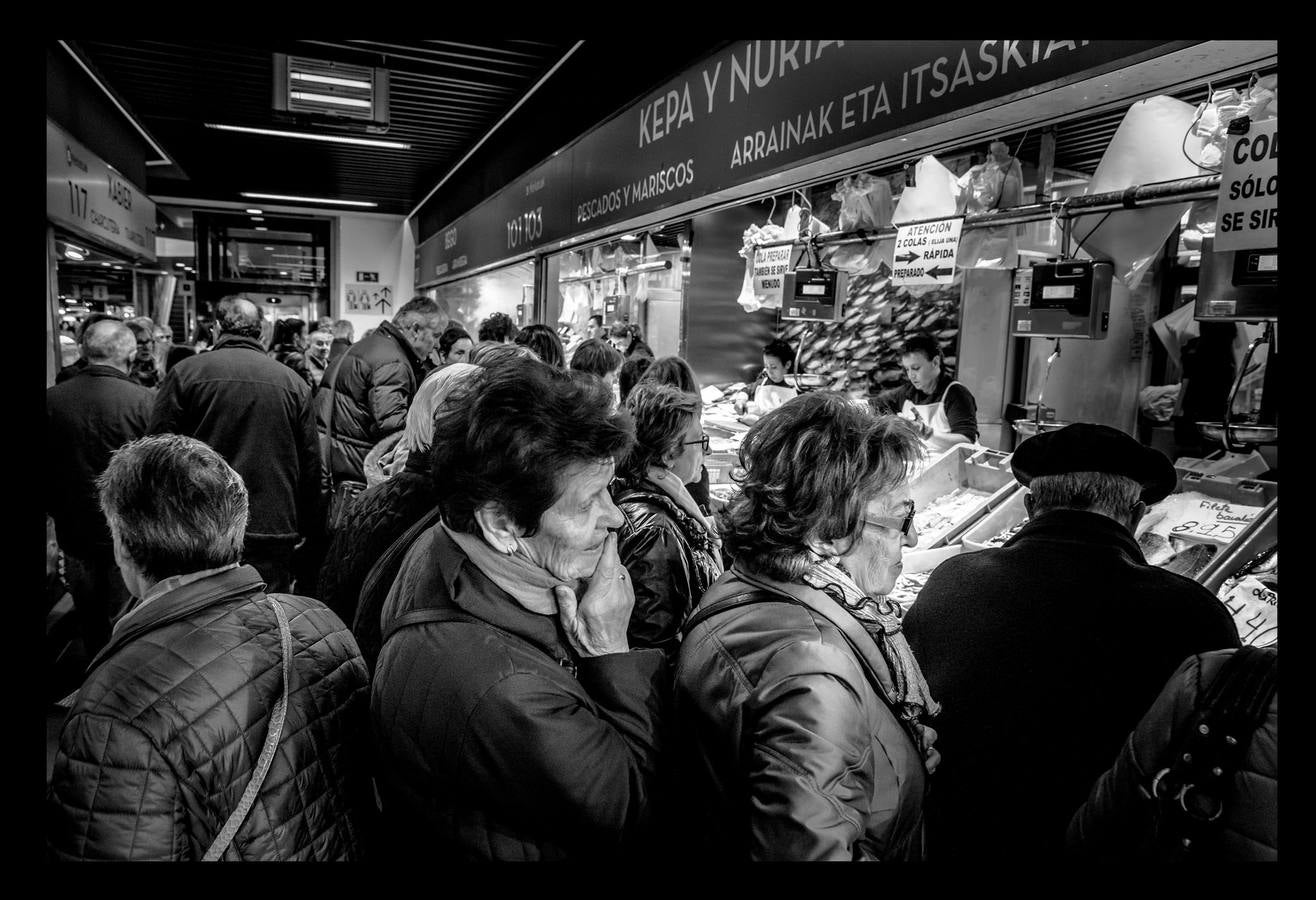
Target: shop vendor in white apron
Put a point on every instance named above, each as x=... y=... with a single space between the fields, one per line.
x=772 y=388
x=944 y=410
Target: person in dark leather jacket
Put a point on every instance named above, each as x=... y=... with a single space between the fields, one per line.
x=666 y=543
x=161 y=740
x=511 y=718
x=1107 y=827
x=798 y=704
x=370 y=387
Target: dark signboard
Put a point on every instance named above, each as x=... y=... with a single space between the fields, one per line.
x=756 y=108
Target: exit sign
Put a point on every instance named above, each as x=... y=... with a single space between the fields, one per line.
x=367 y=276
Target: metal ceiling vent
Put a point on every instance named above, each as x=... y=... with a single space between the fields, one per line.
x=318 y=87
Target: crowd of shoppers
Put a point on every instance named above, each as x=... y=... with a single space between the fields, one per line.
x=535 y=636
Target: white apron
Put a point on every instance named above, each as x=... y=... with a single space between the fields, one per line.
x=770 y=396
x=934 y=414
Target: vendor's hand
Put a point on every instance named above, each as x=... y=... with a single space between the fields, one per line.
x=596 y=624
x=931 y=755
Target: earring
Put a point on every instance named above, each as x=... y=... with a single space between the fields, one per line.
x=511 y=548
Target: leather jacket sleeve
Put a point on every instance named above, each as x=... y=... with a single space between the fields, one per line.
x=811 y=765
x=660 y=578
x=127 y=808
x=588 y=776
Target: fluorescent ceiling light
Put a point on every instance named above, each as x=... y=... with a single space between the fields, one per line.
x=293 y=199
x=330 y=138
x=283 y=273
x=255 y=212
x=269 y=248
x=180 y=265
x=261 y=228
x=117 y=267
x=106 y=265
x=330 y=99
x=328 y=79
x=74 y=254
x=258 y=218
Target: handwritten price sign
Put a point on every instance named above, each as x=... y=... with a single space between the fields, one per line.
x=1255 y=609
x=1196 y=517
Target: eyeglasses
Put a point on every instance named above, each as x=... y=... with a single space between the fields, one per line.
x=703 y=440
x=901 y=525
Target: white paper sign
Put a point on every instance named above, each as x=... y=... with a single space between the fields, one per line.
x=370 y=298
x=770 y=265
x=1194 y=516
x=925 y=254
x=1248 y=203
x=1255 y=609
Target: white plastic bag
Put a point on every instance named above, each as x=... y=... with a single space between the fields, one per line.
x=753 y=237
x=997 y=183
x=866 y=203
x=1152 y=144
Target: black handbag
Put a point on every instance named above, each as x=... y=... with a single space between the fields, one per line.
x=1190 y=791
x=342 y=494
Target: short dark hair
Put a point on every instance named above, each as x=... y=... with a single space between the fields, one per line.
x=491 y=353
x=139 y=330
x=639 y=348
x=498 y=327
x=508 y=433
x=779 y=348
x=661 y=413
x=673 y=370
x=176 y=506
x=597 y=357
x=286 y=331
x=418 y=308
x=631 y=371
x=596 y=318
x=344 y=330
x=921 y=343
x=545 y=343
x=451 y=335
x=811 y=466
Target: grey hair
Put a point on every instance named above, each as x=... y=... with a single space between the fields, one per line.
x=492 y=353
x=108 y=341
x=344 y=330
x=422 y=308
x=1101 y=492
x=174 y=505
x=236 y=317
x=319 y=331
x=432 y=394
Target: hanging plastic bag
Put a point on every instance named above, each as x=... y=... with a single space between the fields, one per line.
x=932 y=196
x=1259 y=101
x=753 y=237
x=866 y=203
x=997 y=183
x=1153 y=143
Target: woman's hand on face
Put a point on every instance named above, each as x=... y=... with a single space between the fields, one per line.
x=596 y=624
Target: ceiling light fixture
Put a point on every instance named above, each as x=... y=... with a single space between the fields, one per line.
x=293 y=199
x=116 y=267
x=330 y=138
x=74 y=254
x=106 y=265
x=261 y=228
x=258 y=218
x=255 y=212
x=180 y=265
x=328 y=79
x=330 y=99
x=269 y=248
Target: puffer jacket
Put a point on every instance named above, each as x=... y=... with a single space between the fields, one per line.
x=494 y=740
x=1108 y=826
x=379 y=516
x=369 y=391
x=163 y=736
x=671 y=561
x=787 y=748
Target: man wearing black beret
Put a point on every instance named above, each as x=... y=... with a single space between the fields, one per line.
x=1046 y=652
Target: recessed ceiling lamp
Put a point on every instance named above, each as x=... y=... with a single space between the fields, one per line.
x=116 y=267
x=261 y=228
x=105 y=264
x=258 y=218
x=74 y=254
x=180 y=265
x=284 y=274
x=255 y=212
x=270 y=249
x=328 y=138
x=293 y=199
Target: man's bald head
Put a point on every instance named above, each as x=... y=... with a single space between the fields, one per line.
x=239 y=316
x=109 y=342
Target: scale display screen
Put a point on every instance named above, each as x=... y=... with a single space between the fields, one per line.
x=813 y=290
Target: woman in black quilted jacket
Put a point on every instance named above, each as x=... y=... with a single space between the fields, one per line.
x=162 y=739
x=1110 y=826
x=668 y=545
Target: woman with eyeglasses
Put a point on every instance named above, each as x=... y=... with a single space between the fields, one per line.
x=669 y=547
x=799 y=703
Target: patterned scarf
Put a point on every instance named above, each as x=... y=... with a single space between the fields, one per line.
x=881 y=619
x=530 y=585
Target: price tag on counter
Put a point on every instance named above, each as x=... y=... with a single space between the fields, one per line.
x=1192 y=516
x=1255 y=609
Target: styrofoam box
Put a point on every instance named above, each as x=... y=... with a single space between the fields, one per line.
x=1009 y=514
x=1244 y=491
x=961 y=466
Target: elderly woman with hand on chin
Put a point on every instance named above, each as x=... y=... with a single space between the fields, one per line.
x=798 y=701
x=511 y=718
x=668 y=545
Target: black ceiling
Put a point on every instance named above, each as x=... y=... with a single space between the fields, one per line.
x=444 y=96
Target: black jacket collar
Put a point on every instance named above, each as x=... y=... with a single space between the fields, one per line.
x=489 y=603
x=230 y=341
x=99 y=371
x=181 y=603
x=396 y=334
x=1078 y=527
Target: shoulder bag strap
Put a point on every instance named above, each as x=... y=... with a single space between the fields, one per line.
x=225 y=837
x=390 y=558
x=744 y=598
x=1191 y=789
x=422 y=616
